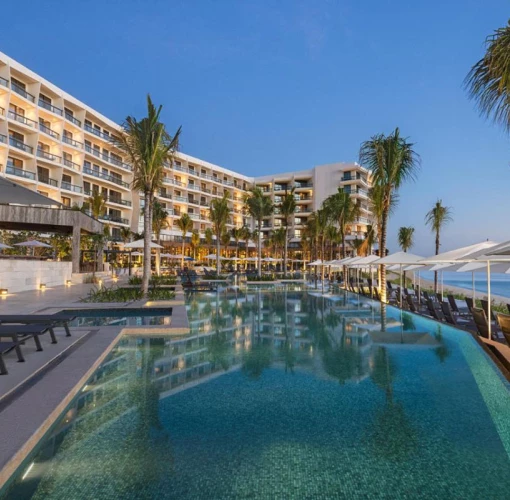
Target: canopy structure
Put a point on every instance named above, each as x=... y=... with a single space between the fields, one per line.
x=210 y=256
x=465 y=254
x=365 y=261
x=140 y=244
x=16 y=194
x=315 y=263
x=136 y=254
x=2 y=246
x=33 y=244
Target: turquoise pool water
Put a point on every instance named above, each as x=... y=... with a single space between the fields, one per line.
x=283 y=395
x=120 y=316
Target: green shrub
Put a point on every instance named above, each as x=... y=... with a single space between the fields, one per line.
x=90 y=278
x=154 y=280
x=115 y=294
x=264 y=277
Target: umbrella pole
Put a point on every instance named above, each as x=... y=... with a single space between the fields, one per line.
x=400 y=298
x=474 y=290
x=441 y=286
x=419 y=288
x=489 y=298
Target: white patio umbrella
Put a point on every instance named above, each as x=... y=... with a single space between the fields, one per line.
x=137 y=254
x=33 y=244
x=140 y=244
x=315 y=263
x=3 y=245
x=402 y=259
x=365 y=262
x=210 y=256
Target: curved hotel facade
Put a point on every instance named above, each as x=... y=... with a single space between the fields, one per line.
x=54 y=144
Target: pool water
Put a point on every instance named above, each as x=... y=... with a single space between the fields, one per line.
x=283 y=395
x=120 y=316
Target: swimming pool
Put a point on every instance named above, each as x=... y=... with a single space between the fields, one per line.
x=282 y=394
x=120 y=316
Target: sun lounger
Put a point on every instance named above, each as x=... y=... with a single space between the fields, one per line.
x=481 y=322
x=20 y=333
x=470 y=303
x=58 y=319
x=435 y=313
x=6 y=347
x=504 y=324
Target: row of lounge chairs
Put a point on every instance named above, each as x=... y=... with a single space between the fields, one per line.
x=191 y=282
x=17 y=329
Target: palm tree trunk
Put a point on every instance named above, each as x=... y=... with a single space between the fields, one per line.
x=285 y=250
x=158 y=256
x=437 y=252
x=218 y=250
x=147 y=228
x=182 y=250
x=259 y=250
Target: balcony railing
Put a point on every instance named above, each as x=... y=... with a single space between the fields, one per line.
x=194 y=187
x=47 y=130
x=48 y=156
x=299 y=185
x=21 y=145
x=192 y=201
x=106 y=177
x=20 y=172
x=4 y=82
x=113 y=218
x=2 y=111
x=168 y=196
x=362 y=192
x=71 y=187
x=21 y=119
x=72 y=142
x=22 y=92
x=3 y=139
x=117 y=200
x=280 y=188
x=181 y=198
x=48 y=180
x=96 y=132
x=50 y=107
x=93 y=151
x=72 y=119
x=70 y=164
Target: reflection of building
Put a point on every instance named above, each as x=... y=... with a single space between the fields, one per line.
x=55 y=144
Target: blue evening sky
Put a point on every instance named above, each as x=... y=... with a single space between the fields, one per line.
x=264 y=86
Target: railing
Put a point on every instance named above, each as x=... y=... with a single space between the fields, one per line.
x=299 y=185
x=70 y=164
x=22 y=92
x=2 y=111
x=193 y=202
x=180 y=168
x=3 y=138
x=72 y=119
x=72 y=142
x=113 y=218
x=50 y=107
x=21 y=119
x=93 y=151
x=194 y=216
x=71 y=187
x=48 y=180
x=96 y=132
x=193 y=172
x=118 y=163
x=265 y=189
x=204 y=204
x=362 y=192
x=181 y=198
x=346 y=178
x=107 y=177
x=280 y=188
x=194 y=187
x=4 y=82
x=48 y=156
x=168 y=196
x=21 y=145
x=118 y=201
x=205 y=190
x=47 y=130
x=19 y=172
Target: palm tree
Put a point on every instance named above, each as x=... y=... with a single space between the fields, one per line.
x=219 y=213
x=368 y=240
x=287 y=209
x=488 y=82
x=96 y=204
x=208 y=236
x=195 y=241
x=436 y=219
x=159 y=222
x=278 y=238
x=237 y=234
x=406 y=241
x=333 y=236
x=392 y=161
x=258 y=206
x=126 y=234
x=147 y=146
x=185 y=224
x=246 y=235
x=344 y=210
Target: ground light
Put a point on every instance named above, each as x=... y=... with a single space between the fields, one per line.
x=42 y=286
x=68 y=282
x=4 y=291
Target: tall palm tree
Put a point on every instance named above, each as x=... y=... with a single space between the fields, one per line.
x=237 y=234
x=208 y=235
x=392 y=161
x=406 y=241
x=96 y=204
x=246 y=236
x=185 y=224
x=219 y=213
x=344 y=210
x=278 y=238
x=147 y=145
x=333 y=236
x=436 y=219
x=287 y=209
x=159 y=220
x=126 y=234
x=195 y=241
x=368 y=240
x=258 y=206
x=488 y=82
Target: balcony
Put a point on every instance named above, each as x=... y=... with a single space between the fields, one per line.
x=47 y=130
x=191 y=201
x=106 y=177
x=48 y=180
x=19 y=172
x=4 y=82
x=97 y=133
x=193 y=187
x=194 y=216
x=21 y=145
x=180 y=168
x=71 y=164
x=265 y=189
x=113 y=218
x=21 y=119
x=205 y=190
x=162 y=194
x=49 y=107
x=72 y=142
x=93 y=151
x=69 y=117
x=48 y=156
x=71 y=187
x=301 y=185
x=3 y=139
x=2 y=111
x=117 y=163
x=204 y=204
x=22 y=92
x=361 y=192
x=181 y=199
x=278 y=187
x=117 y=200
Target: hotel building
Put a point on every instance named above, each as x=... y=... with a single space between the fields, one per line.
x=53 y=143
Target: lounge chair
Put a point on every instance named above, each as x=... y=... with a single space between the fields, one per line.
x=504 y=324
x=411 y=304
x=6 y=347
x=450 y=317
x=20 y=333
x=58 y=319
x=508 y=307
x=470 y=303
x=435 y=313
x=481 y=322
x=485 y=307
x=376 y=294
x=453 y=304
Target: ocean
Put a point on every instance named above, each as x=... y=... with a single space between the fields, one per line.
x=500 y=283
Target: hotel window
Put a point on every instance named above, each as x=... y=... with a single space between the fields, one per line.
x=66 y=201
x=67 y=178
x=297 y=233
x=44 y=98
x=203 y=171
x=16 y=136
x=115 y=158
x=116 y=234
x=67 y=156
x=16 y=110
x=18 y=83
x=104 y=171
x=116 y=176
x=97 y=128
x=88 y=123
x=43 y=174
x=69 y=112
x=87 y=165
x=44 y=123
x=178 y=193
x=97 y=150
x=14 y=162
x=43 y=147
x=68 y=135
x=95 y=188
x=104 y=192
x=177 y=163
x=106 y=153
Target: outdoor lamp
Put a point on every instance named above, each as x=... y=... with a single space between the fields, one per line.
x=42 y=286
x=3 y=291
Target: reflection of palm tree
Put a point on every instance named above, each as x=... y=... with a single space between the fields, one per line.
x=408 y=322
x=219 y=349
x=392 y=436
x=442 y=351
x=257 y=359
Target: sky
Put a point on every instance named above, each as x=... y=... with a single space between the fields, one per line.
x=264 y=86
